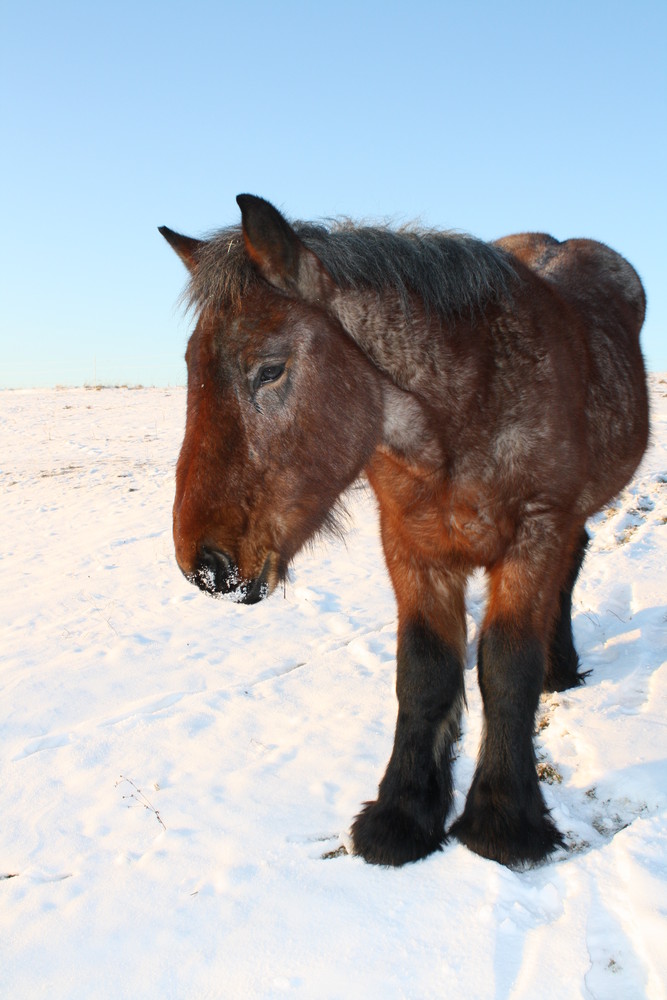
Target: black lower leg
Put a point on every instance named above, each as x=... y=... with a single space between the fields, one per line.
x=407 y=821
x=563 y=663
x=505 y=817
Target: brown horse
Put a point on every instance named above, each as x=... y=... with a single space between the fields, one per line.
x=495 y=397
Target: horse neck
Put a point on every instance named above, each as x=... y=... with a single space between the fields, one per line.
x=433 y=371
x=404 y=345
x=441 y=363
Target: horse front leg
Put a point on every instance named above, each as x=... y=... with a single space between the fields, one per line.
x=407 y=820
x=505 y=816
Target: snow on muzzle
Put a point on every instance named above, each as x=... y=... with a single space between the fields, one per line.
x=216 y=574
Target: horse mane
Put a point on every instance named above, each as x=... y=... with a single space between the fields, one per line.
x=453 y=274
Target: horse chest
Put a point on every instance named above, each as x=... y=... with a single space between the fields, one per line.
x=436 y=518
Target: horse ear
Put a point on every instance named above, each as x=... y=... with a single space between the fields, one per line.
x=278 y=253
x=185 y=246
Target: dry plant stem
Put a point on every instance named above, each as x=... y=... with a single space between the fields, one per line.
x=142 y=799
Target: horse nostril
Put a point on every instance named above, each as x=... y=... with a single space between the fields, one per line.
x=215 y=572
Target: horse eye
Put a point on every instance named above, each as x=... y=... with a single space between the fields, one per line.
x=270 y=373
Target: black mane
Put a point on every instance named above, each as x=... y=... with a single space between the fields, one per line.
x=453 y=274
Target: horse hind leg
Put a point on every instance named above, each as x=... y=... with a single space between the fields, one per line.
x=562 y=668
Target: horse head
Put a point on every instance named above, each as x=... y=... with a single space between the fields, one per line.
x=283 y=408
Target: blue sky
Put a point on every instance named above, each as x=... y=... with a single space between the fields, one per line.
x=489 y=117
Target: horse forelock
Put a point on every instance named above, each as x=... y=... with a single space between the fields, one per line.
x=223 y=272
x=452 y=274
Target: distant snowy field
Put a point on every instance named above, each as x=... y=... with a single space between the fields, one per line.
x=173 y=769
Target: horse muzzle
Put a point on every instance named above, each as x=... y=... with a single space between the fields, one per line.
x=216 y=574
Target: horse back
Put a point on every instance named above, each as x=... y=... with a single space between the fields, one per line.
x=604 y=284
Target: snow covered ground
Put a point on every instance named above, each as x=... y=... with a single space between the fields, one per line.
x=174 y=770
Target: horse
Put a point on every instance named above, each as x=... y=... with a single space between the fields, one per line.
x=494 y=396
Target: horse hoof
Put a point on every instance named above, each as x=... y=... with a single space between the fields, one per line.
x=563 y=680
x=511 y=841
x=386 y=835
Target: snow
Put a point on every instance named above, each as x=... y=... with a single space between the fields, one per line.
x=174 y=769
